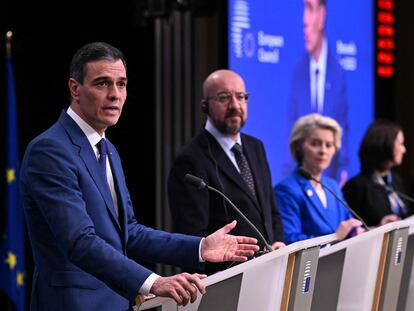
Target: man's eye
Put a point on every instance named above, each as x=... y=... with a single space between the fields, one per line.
x=223 y=97
x=241 y=96
x=102 y=83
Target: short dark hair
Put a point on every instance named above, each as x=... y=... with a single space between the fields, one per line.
x=322 y=2
x=92 y=52
x=377 y=146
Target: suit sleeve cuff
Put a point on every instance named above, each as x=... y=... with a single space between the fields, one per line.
x=200 y=259
x=146 y=286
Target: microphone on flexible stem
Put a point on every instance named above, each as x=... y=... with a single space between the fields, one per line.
x=304 y=173
x=200 y=184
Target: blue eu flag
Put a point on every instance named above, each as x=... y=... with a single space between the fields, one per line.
x=12 y=256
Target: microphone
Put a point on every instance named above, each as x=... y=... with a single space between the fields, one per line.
x=200 y=184
x=304 y=173
x=195 y=181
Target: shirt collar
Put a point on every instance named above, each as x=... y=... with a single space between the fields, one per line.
x=92 y=135
x=225 y=142
x=382 y=180
x=321 y=63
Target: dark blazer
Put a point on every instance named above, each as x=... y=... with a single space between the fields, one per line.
x=304 y=216
x=335 y=103
x=201 y=212
x=81 y=248
x=369 y=199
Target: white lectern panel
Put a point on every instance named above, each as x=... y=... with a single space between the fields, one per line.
x=262 y=282
x=360 y=269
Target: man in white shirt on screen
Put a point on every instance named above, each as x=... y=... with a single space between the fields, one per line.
x=318 y=82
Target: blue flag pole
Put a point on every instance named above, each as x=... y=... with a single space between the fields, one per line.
x=12 y=242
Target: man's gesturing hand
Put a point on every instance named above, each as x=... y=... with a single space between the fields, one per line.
x=221 y=246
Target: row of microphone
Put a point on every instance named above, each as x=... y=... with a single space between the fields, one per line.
x=200 y=184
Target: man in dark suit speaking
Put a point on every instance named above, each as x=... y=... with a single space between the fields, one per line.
x=81 y=224
x=318 y=83
x=232 y=162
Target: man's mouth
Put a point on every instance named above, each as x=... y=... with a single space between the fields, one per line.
x=111 y=108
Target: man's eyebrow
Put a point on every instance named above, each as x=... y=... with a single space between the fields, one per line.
x=107 y=78
x=101 y=78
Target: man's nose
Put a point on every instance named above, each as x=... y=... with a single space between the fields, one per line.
x=234 y=102
x=114 y=92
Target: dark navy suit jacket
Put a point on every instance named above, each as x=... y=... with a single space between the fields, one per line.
x=83 y=251
x=370 y=200
x=201 y=212
x=335 y=104
x=304 y=216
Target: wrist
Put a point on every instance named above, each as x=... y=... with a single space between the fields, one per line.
x=201 y=250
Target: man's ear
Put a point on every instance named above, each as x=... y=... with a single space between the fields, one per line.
x=74 y=89
x=204 y=106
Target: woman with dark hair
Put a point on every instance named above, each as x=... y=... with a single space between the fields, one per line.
x=373 y=193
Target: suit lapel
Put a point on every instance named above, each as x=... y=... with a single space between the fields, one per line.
x=307 y=93
x=226 y=166
x=119 y=186
x=88 y=156
x=330 y=90
x=312 y=196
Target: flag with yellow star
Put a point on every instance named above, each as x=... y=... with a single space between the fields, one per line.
x=12 y=255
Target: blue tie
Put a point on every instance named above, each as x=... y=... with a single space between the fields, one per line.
x=316 y=104
x=103 y=154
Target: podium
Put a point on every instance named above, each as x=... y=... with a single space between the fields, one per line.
x=362 y=273
x=279 y=280
x=406 y=296
x=372 y=271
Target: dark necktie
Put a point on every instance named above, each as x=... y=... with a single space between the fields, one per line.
x=244 y=167
x=103 y=154
x=315 y=104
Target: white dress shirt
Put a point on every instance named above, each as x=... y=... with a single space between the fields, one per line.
x=224 y=141
x=319 y=65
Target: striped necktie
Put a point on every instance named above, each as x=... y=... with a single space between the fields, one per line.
x=244 y=167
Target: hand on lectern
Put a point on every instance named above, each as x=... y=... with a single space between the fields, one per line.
x=349 y=228
x=180 y=287
x=277 y=245
x=389 y=218
x=222 y=246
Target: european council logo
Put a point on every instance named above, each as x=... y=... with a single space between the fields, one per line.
x=242 y=41
x=306 y=277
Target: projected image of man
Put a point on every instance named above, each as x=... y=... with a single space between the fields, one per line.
x=318 y=81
